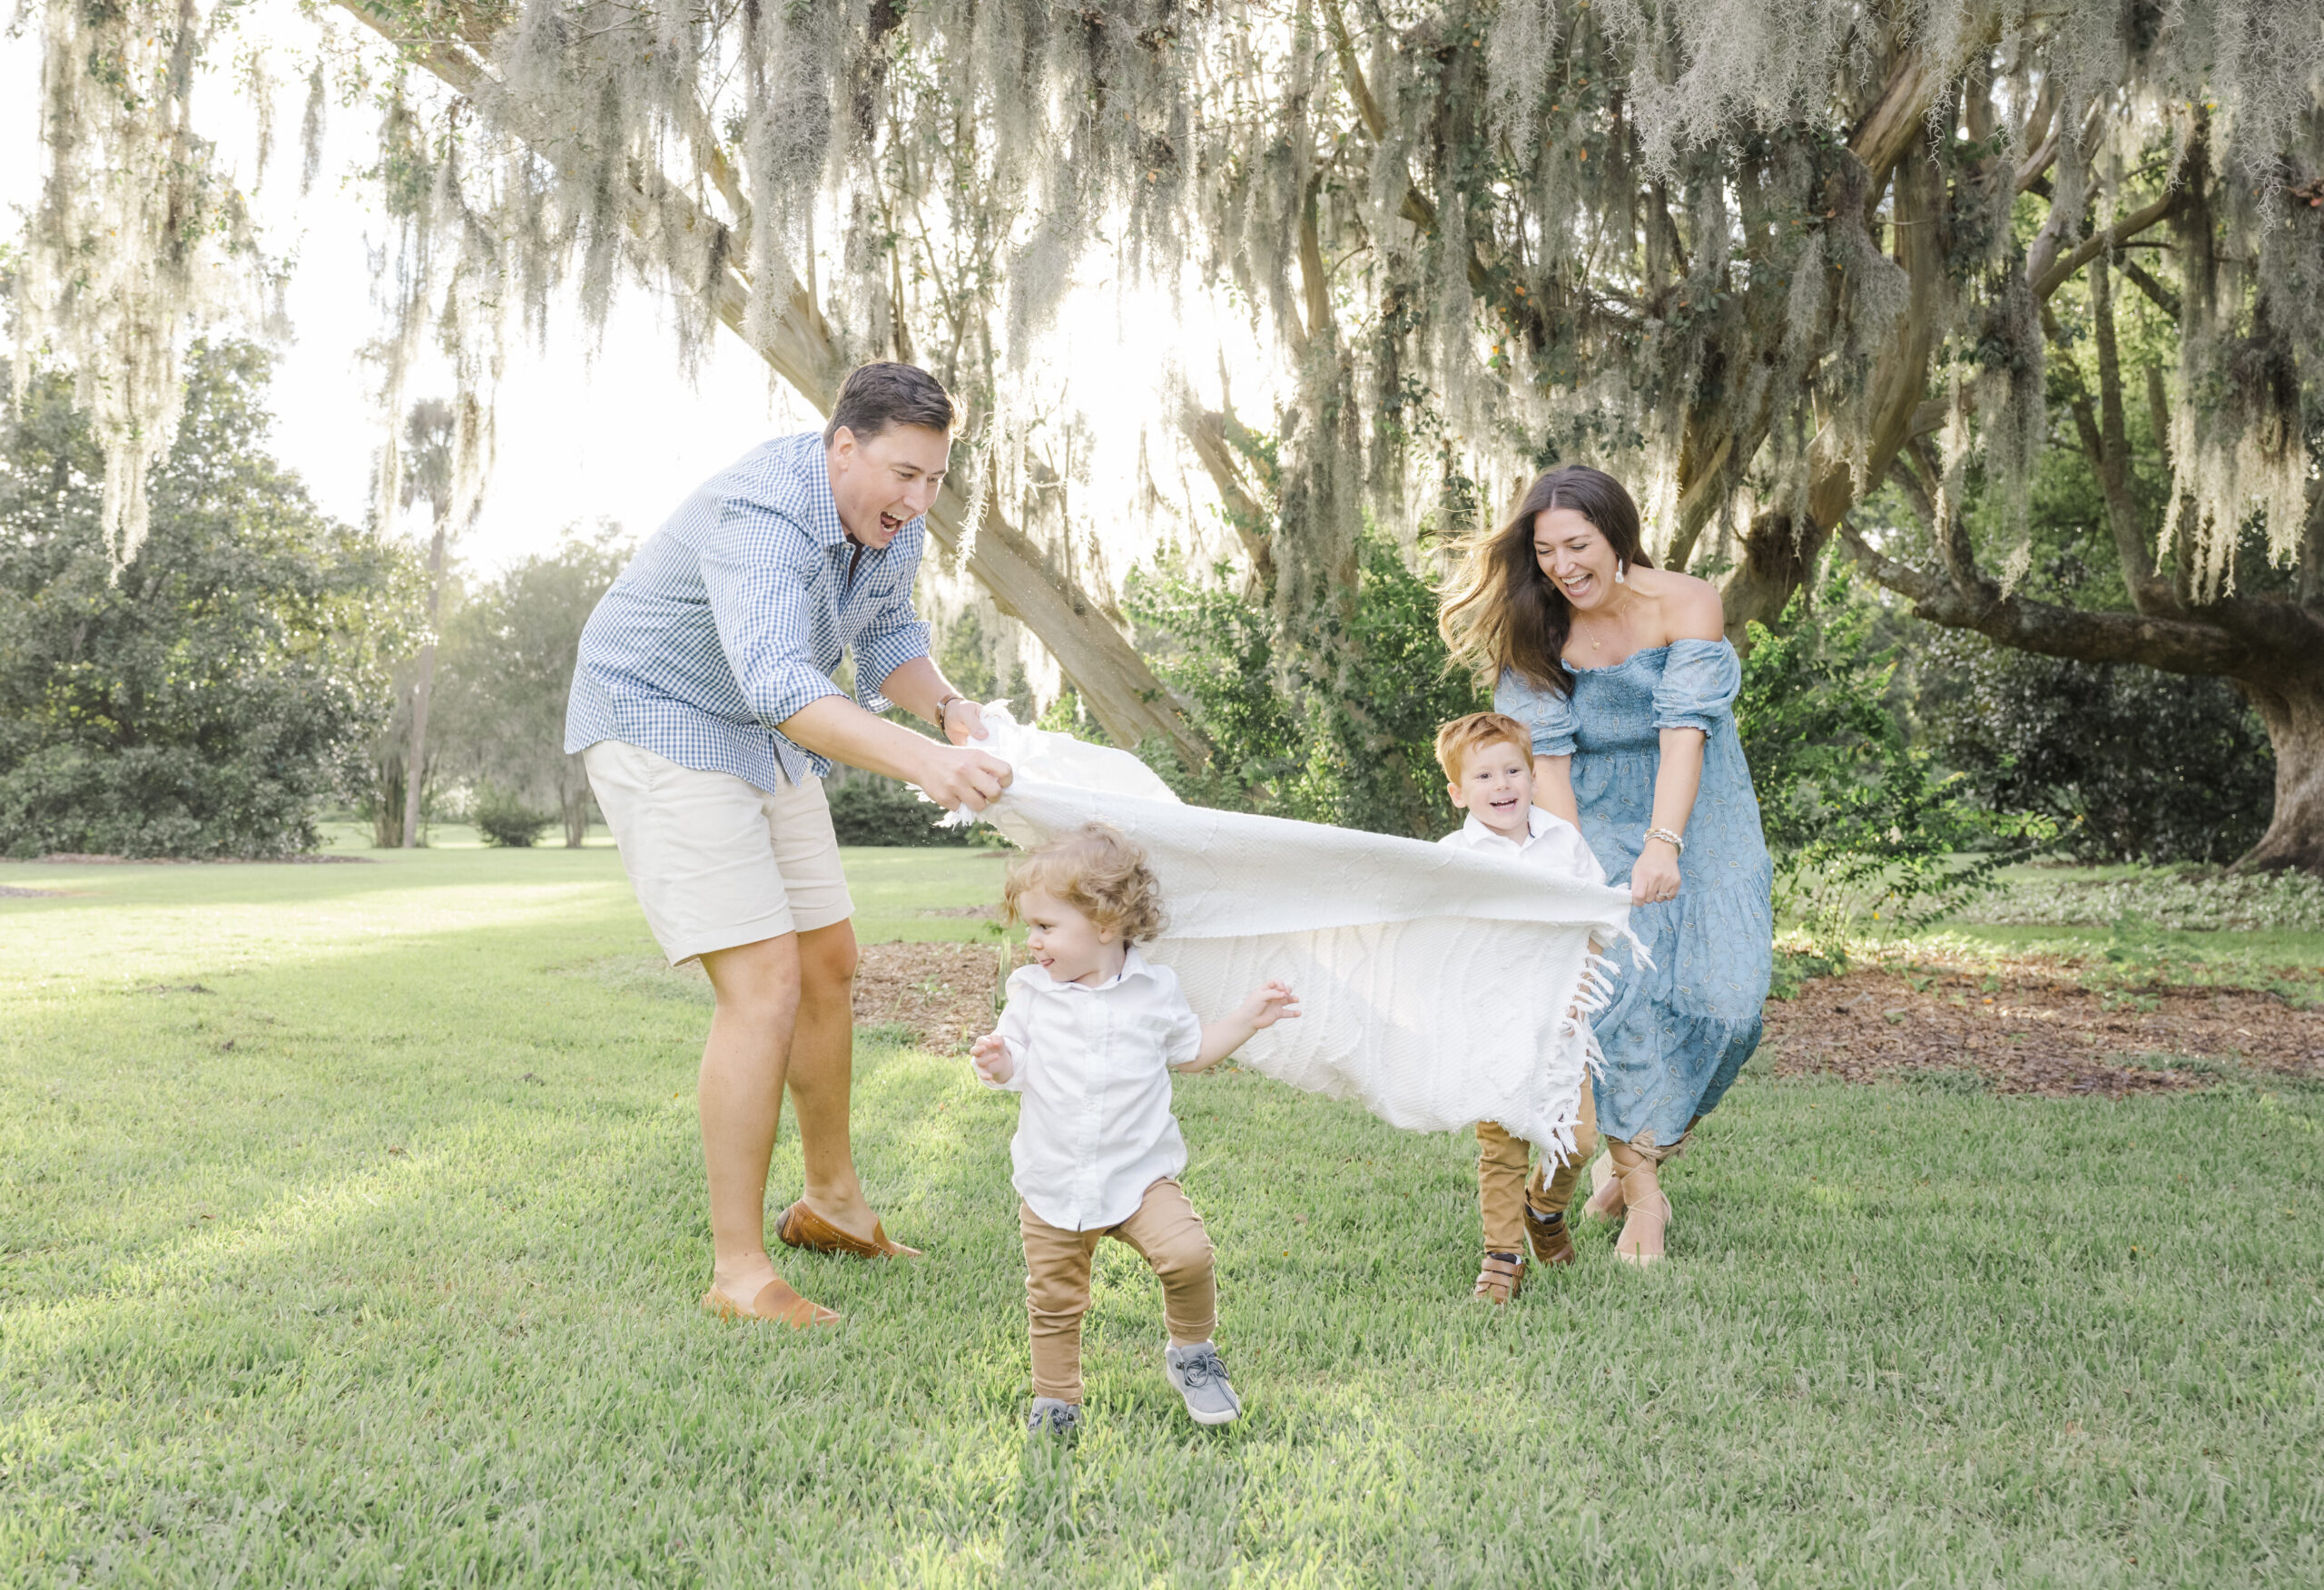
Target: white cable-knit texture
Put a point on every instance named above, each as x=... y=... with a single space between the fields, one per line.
x=1441 y=986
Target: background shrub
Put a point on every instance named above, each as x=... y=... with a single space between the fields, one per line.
x=504 y=819
x=2135 y=764
x=870 y=809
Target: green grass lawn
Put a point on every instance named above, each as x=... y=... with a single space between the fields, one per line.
x=352 y=1232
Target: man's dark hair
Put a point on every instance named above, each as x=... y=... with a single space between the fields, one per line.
x=877 y=396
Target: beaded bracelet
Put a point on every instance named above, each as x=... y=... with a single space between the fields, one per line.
x=1676 y=843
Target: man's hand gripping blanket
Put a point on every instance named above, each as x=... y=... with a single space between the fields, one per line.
x=1441 y=986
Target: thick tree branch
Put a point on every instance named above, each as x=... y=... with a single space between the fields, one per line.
x=1375 y=121
x=2106 y=240
x=2165 y=298
x=1208 y=432
x=2113 y=458
x=2175 y=645
x=1314 y=280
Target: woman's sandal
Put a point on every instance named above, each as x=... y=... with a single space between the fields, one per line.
x=776 y=1302
x=1605 y=1204
x=800 y=1227
x=1647 y=1220
x=1502 y=1275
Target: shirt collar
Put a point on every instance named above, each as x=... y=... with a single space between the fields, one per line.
x=1133 y=965
x=822 y=507
x=1537 y=823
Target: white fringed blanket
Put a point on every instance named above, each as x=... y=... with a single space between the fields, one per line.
x=1439 y=986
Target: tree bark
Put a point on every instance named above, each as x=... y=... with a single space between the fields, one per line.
x=1115 y=683
x=2291 y=704
x=415 y=763
x=2270 y=649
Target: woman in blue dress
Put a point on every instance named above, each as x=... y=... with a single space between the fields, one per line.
x=1623 y=672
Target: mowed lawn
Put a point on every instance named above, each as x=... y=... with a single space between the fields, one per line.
x=351 y=1232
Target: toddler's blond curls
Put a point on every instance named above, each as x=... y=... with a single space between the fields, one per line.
x=1098 y=872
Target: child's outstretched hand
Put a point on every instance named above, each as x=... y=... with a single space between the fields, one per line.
x=1270 y=1003
x=990 y=1055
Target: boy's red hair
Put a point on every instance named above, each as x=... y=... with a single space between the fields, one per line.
x=1457 y=739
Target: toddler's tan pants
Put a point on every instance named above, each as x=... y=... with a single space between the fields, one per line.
x=1502 y=1163
x=1165 y=1232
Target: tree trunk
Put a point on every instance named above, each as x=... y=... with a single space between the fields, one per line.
x=2292 y=703
x=414 y=760
x=573 y=801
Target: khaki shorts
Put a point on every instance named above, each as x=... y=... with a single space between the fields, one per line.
x=715 y=860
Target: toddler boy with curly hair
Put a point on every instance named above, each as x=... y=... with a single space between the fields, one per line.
x=1090 y=1036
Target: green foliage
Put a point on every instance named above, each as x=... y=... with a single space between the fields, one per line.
x=1352 y=750
x=504 y=669
x=211 y=700
x=2175 y=898
x=2135 y=764
x=505 y=819
x=1859 y=822
x=869 y=810
x=964 y=655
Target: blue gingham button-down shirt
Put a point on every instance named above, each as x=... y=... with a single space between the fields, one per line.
x=733 y=616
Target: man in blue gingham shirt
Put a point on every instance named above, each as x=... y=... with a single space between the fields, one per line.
x=703 y=706
x=733 y=617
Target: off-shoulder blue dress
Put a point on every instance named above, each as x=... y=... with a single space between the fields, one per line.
x=1675 y=1035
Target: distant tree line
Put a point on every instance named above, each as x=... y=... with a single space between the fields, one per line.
x=257 y=667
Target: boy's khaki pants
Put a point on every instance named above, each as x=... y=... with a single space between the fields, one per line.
x=1165 y=1232
x=1502 y=1164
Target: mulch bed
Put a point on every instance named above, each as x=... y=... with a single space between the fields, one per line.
x=2036 y=1036
x=941 y=993
x=2030 y=1035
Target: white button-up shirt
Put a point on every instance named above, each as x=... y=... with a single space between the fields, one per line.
x=1093 y=1063
x=1550 y=843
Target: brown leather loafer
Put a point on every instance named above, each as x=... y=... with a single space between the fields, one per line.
x=1551 y=1243
x=802 y=1227
x=1502 y=1275
x=776 y=1302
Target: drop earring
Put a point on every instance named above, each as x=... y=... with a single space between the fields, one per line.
x=1620 y=569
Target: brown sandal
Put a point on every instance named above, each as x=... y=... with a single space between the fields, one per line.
x=1551 y=1243
x=776 y=1302
x=800 y=1227
x=1502 y=1275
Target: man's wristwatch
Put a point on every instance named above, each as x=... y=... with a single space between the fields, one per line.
x=1674 y=841
x=945 y=706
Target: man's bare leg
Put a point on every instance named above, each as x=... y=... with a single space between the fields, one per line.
x=740 y=1097
x=822 y=1076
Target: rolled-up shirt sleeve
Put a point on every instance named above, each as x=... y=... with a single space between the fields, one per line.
x=1549 y=715
x=894 y=637
x=1700 y=682
x=759 y=568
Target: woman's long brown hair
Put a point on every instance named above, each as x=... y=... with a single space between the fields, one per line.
x=1504 y=612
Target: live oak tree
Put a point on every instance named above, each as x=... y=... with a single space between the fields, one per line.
x=1761 y=256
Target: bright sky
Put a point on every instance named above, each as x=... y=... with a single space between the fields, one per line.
x=611 y=431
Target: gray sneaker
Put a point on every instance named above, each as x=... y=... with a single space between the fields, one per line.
x=1201 y=1380
x=1052 y=1418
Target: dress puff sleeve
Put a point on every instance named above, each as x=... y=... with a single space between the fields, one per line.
x=1699 y=679
x=1548 y=713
